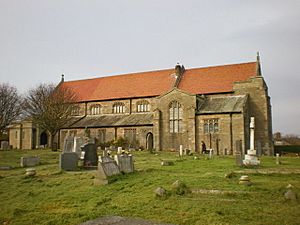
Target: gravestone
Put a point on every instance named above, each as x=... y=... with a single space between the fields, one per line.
x=30 y=161
x=78 y=142
x=106 y=167
x=125 y=163
x=251 y=157
x=4 y=145
x=238 y=153
x=119 y=150
x=278 y=159
x=181 y=150
x=68 y=161
x=90 y=155
x=30 y=172
x=68 y=144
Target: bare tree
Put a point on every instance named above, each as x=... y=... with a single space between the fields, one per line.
x=50 y=106
x=10 y=105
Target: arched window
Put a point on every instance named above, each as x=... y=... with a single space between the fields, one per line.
x=175 y=117
x=143 y=106
x=119 y=107
x=95 y=109
x=75 y=110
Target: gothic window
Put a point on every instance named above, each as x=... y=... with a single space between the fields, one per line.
x=75 y=111
x=143 y=106
x=95 y=109
x=211 y=126
x=175 y=117
x=119 y=107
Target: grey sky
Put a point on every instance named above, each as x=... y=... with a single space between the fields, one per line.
x=40 y=40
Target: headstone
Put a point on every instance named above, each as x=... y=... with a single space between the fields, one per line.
x=78 y=142
x=68 y=161
x=30 y=172
x=4 y=145
x=259 y=149
x=245 y=180
x=68 y=144
x=106 y=167
x=251 y=158
x=125 y=163
x=30 y=161
x=167 y=163
x=278 y=159
x=290 y=193
x=90 y=155
x=209 y=153
x=160 y=192
x=180 y=150
x=238 y=153
x=119 y=150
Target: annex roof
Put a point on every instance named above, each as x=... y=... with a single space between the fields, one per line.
x=227 y=104
x=216 y=79
x=114 y=120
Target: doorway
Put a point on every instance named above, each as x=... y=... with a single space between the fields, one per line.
x=149 y=141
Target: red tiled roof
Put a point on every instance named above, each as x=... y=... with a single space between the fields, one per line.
x=216 y=79
x=196 y=81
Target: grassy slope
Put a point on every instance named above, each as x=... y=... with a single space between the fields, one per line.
x=54 y=197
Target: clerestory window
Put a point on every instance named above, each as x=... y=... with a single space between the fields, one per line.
x=143 y=106
x=75 y=110
x=95 y=109
x=119 y=107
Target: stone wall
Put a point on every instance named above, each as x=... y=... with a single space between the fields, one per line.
x=186 y=137
x=231 y=128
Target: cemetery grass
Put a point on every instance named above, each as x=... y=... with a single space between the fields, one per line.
x=55 y=197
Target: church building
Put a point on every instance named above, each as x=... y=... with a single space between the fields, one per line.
x=164 y=109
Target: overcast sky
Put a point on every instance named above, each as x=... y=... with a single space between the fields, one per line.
x=40 y=40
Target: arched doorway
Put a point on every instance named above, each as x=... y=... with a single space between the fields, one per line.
x=149 y=141
x=44 y=138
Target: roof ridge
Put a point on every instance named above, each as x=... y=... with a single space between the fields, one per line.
x=216 y=66
x=119 y=75
x=162 y=70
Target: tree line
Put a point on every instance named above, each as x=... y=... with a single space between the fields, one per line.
x=47 y=105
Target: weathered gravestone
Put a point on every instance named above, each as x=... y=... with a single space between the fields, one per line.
x=238 y=153
x=68 y=144
x=4 y=145
x=106 y=167
x=68 y=161
x=30 y=161
x=78 y=142
x=90 y=156
x=125 y=163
